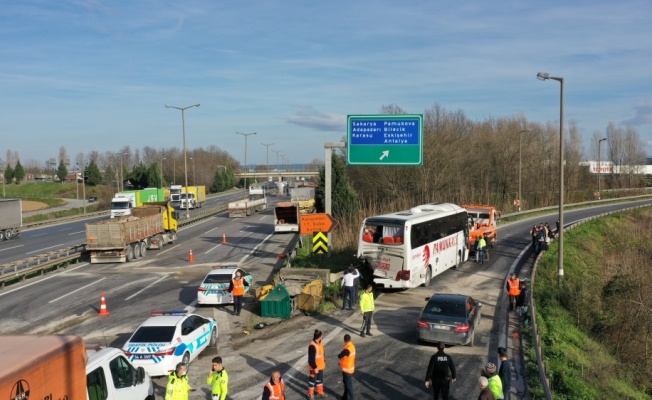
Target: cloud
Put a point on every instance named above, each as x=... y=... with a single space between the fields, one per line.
x=642 y=114
x=309 y=117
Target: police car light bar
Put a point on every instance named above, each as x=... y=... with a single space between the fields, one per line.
x=224 y=266
x=171 y=312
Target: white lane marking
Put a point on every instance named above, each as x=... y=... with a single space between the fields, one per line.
x=41 y=280
x=76 y=233
x=168 y=249
x=213 y=248
x=191 y=307
x=76 y=290
x=65 y=229
x=246 y=227
x=256 y=248
x=36 y=251
x=263 y=217
x=211 y=230
x=40 y=234
x=15 y=247
x=146 y=287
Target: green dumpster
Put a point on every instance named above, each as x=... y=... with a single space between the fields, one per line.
x=277 y=304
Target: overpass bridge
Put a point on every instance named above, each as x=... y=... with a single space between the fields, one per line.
x=281 y=171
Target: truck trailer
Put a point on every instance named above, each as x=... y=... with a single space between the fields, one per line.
x=127 y=238
x=62 y=367
x=257 y=202
x=286 y=217
x=194 y=195
x=123 y=202
x=11 y=218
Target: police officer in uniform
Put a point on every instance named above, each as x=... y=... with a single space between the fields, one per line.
x=441 y=372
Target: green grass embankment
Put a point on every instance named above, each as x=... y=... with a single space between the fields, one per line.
x=596 y=328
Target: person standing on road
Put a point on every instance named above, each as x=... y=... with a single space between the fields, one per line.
x=178 y=386
x=482 y=246
x=348 y=286
x=347 y=365
x=505 y=372
x=485 y=393
x=495 y=385
x=441 y=372
x=513 y=287
x=219 y=378
x=367 y=308
x=237 y=289
x=275 y=388
x=316 y=365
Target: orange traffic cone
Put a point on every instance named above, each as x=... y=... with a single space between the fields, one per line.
x=103 y=311
x=191 y=258
x=224 y=238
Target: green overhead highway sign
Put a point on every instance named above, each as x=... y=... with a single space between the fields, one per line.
x=385 y=139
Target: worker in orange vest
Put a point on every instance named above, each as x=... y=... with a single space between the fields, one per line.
x=513 y=287
x=275 y=388
x=347 y=365
x=316 y=365
x=237 y=289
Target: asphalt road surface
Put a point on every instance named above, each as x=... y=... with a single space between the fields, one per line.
x=390 y=365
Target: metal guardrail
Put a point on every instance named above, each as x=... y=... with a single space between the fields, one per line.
x=62 y=220
x=39 y=264
x=545 y=382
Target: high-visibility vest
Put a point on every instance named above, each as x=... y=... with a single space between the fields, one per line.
x=319 y=355
x=514 y=287
x=177 y=388
x=238 y=287
x=276 y=391
x=347 y=363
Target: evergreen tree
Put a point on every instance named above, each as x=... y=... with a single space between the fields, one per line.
x=19 y=172
x=9 y=174
x=139 y=177
x=92 y=174
x=110 y=175
x=222 y=180
x=62 y=171
x=154 y=176
x=344 y=199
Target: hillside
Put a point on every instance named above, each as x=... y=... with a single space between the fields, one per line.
x=596 y=329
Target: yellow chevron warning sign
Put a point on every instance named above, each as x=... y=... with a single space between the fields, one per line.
x=319 y=243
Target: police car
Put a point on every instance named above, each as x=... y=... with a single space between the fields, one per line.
x=215 y=286
x=168 y=338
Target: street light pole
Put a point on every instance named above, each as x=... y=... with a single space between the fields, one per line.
x=267 y=165
x=520 y=135
x=545 y=76
x=84 y=189
x=599 y=165
x=246 y=135
x=160 y=171
x=185 y=159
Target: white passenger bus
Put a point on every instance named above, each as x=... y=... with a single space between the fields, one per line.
x=407 y=248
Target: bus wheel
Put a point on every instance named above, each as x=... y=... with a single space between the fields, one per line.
x=426 y=283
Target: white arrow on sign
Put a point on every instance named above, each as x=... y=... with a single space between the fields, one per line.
x=385 y=154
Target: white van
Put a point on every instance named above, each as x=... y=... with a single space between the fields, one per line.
x=110 y=376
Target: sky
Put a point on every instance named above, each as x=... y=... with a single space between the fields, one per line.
x=96 y=75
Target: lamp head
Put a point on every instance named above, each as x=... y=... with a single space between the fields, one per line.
x=196 y=105
x=542 y=76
